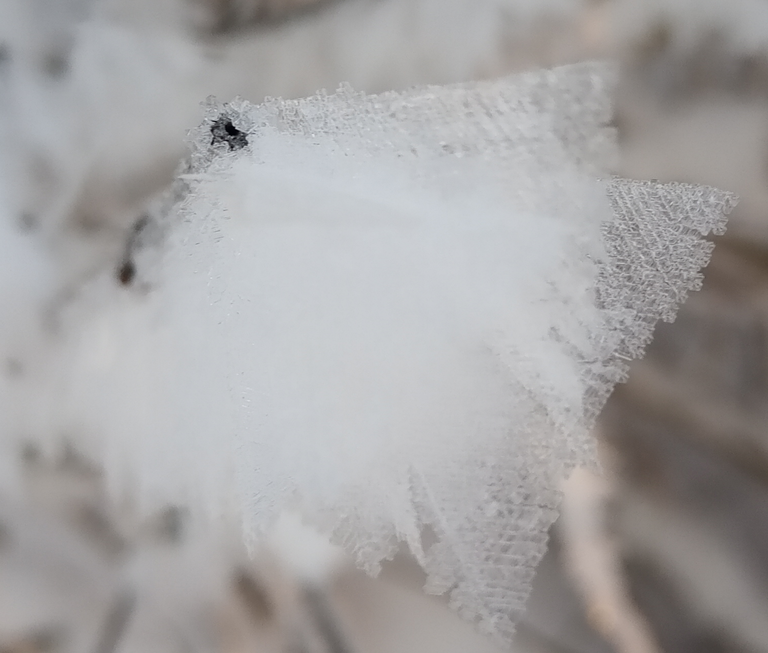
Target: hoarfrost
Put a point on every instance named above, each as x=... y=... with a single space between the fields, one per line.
x=399 y=314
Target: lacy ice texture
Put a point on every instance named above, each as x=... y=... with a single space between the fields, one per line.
x=399 y=314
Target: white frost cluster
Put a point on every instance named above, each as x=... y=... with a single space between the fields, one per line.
x=397 y=314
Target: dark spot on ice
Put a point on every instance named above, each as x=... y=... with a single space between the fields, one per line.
x=223 y=131
x=126 y=272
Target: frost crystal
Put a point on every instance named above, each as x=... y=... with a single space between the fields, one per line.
x=399 y=314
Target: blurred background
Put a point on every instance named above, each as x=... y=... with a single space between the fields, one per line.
x=666 y=551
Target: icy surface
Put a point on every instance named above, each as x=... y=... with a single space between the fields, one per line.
x=398 y=314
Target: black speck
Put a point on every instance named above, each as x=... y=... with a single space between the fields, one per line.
x=223 y=131
x=126 y=272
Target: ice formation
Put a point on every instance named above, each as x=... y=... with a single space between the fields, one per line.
x=398 y=314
